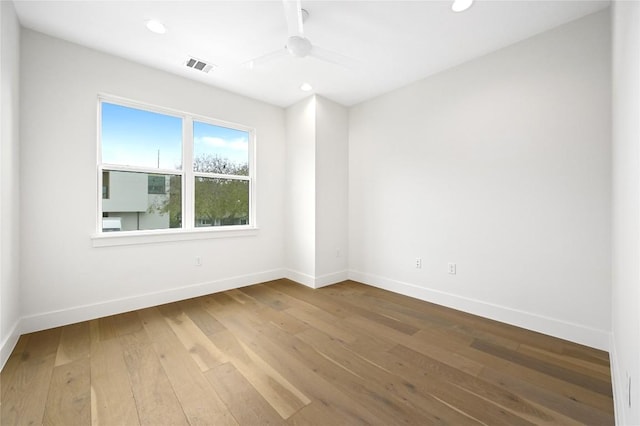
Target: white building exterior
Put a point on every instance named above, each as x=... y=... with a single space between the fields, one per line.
x=131 y=197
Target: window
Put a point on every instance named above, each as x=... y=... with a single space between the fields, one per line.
x=157 y=184
x=162 y=169
x=221 y=172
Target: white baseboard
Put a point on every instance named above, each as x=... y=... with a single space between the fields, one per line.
x=316 y=282
x=577 y=333
x=301 y=278
x=333 y=278
x=625 y=391
x=569 y=331
x=76 y=314
x=619 y=393
x=46 y=320
x=9 y=342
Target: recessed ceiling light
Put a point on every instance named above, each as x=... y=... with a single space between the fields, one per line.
x=156 y=26
x=461 y=5
x=306 y=87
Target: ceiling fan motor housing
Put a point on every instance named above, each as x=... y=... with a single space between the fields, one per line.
x=298 y=46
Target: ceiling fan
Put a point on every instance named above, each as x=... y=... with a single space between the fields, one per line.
x=297 y=45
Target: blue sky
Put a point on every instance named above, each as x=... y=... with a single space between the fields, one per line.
x=222 y=141
x=133 y=137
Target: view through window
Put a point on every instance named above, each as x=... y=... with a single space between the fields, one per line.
x=144 y=184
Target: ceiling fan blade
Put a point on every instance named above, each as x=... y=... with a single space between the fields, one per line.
x=334 y=57
x=261 y=60
x=293 y=15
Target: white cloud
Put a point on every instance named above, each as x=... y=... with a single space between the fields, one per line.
x=238 y=144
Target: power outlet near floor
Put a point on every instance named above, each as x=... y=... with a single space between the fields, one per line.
x=451 y=268
x=418 y=263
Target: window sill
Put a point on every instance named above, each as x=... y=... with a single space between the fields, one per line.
x=109 y=239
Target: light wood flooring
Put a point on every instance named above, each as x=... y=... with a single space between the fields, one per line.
x=280 y=353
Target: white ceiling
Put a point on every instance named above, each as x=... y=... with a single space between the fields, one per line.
x=395 y=42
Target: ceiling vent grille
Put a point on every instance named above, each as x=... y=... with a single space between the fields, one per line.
x=199 y=65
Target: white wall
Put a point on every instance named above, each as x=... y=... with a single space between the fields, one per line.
x=317 y=192
x=625 y=345
x=300 y=208
x=9 y=180
x=64 y=278
x=501 y=165
x=332 y=195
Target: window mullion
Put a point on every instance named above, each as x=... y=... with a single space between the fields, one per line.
x=140 y=169
x=252 y=178
x=188 y=184
x=221 y=176
x=100 y=167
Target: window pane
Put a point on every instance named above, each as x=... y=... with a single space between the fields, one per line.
x=105 y=185
x=219 y=149
x=133 y=137
x=132 y=206
x=157 y=184
x=221 y=202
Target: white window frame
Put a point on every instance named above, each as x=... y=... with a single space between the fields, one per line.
x=188 y=231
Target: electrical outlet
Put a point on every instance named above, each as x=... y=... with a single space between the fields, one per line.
x=198 y=261
x=452 y=268
x=418 y=263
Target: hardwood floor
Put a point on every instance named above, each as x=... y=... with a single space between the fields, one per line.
x=280 y=353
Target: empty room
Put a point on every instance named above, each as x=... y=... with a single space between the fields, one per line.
x=320 y=212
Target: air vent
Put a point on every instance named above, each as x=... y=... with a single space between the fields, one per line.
x=199 y=65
